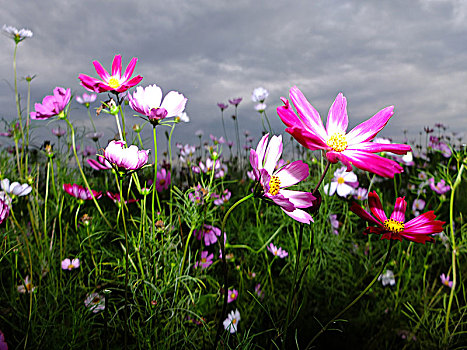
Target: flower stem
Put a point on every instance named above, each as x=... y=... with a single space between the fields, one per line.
x=125 y=309
x=224 y=264
x=328 y=164
x=356 y=299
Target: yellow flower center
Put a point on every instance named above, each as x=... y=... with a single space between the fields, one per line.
x=203 y=260
x=393 y=225
x=70 y=267
x=232 y=296
x=29 y=286
x=96 y=300
x=340 y=180
x=274 y=185
x=114 y=82
x=234 y=321
x=337 y=142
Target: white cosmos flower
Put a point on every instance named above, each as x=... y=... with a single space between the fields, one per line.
x=344 y=182
x=15 y=34
x=259 y=94
x=15 y=188
x=231 y=322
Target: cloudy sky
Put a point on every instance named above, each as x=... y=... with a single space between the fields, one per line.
x=410 y=54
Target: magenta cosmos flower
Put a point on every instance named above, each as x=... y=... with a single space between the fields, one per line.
x=4 y=210
x=163 y=180
x=352 y=148
x=264 y=160
x=130 y=158
x=416 y=230
x=115 y=82
x=281 y=253
x=52 y=104
x=148 y=101
x=80 y=192
x=205 y=260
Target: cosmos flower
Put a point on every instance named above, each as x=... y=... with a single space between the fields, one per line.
x=205 y=261
x=94 y=136
x=360 y=194
x=235 y=101
x=116 y=82
x=387 y=278
x=4 y=209
x=232 y=295
x=15 y=34
x=26 y=286
x=68 y=264
x=222 y=106
x=261 y=107
x=80 y=192
x=95 y=302
x=86 y=99
x=334 y=223
x=163 y=180
x=259 y=95
x=15 y=188
x=130 y=158
x=148 y=101
x=52 y=105
x=416 y=230
x=231 y=322
x=59 y=132
x=446 y=280
x=101 y=164
x=352 y=148
x=221 y=199
x=264 y=160
x=344 y=182
x=88 y=151
x=209 y=234
x=281 y=253
x=417 y=205
x=258 y=291
x=440 y=188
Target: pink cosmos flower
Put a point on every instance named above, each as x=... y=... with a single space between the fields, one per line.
x=4 y=210
x=80 y=192
x=281 y=253
x=334 y=223
x=59 y=132
x=52 y=104
x=86 y=99
x=88 y=151
x=95 y=302
x=15 y=188
x=353 y=148
x=258 y=291
x=416 y=230
x=3 y=343
x=116 y=198
x=68 y=264
x=101 y=164
x=446 y=280
x=235 y=101
x=361 y=194
x=417 y=205
x=205 y=261
x=222 y=106
x=94 y=136
x=440 y=187
x=148 y=101
x=130 y=158
x=163 y=180
x=116 y=82
x=344 y=182
x=209 y=233
x=223 y=198
x=263 y=160
x=232 y=295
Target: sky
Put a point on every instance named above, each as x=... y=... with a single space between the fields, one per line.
x=410 y=54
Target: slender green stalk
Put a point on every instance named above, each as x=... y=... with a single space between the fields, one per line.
x=292 y=289
x=82 y=173
x=90 y=118
x=454 y=249
x=154 y=192
x=27 y=129
x=223 y=126
x=323 y=329
x=122 y=210
x=169 y=146
x=18 y=108
x=224 y=264
x=269 y=124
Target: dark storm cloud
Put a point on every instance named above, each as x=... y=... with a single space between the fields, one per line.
x=408 y=54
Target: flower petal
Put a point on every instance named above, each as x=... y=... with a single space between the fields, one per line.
x=376 y=207
x=101 y=70
x=292 y=173
x=399 y=209
x=357 y=209
x=117 y=66
x=374 y=147
x=367 y=130
x=298 y=198
x=299 y=215
x=337 y=116
x=273 y=153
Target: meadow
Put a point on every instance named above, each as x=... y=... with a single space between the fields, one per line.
x=108 y=245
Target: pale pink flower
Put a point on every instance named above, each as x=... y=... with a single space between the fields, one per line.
x=205 y=260
x=86 y=99
x=446 y=280
x=344 y=182
x=68 y=264
x=52 y=104
x=279 y=252
x=130 y=158
x=95 y=302
x=231 y=322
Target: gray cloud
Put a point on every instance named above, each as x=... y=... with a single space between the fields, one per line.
x=379 y=53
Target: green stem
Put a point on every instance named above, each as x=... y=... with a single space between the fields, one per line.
x=356 y=299
x=18 y=106
x=122 y=209
x=154 y=192
x=224 y=263
x=82 y=173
